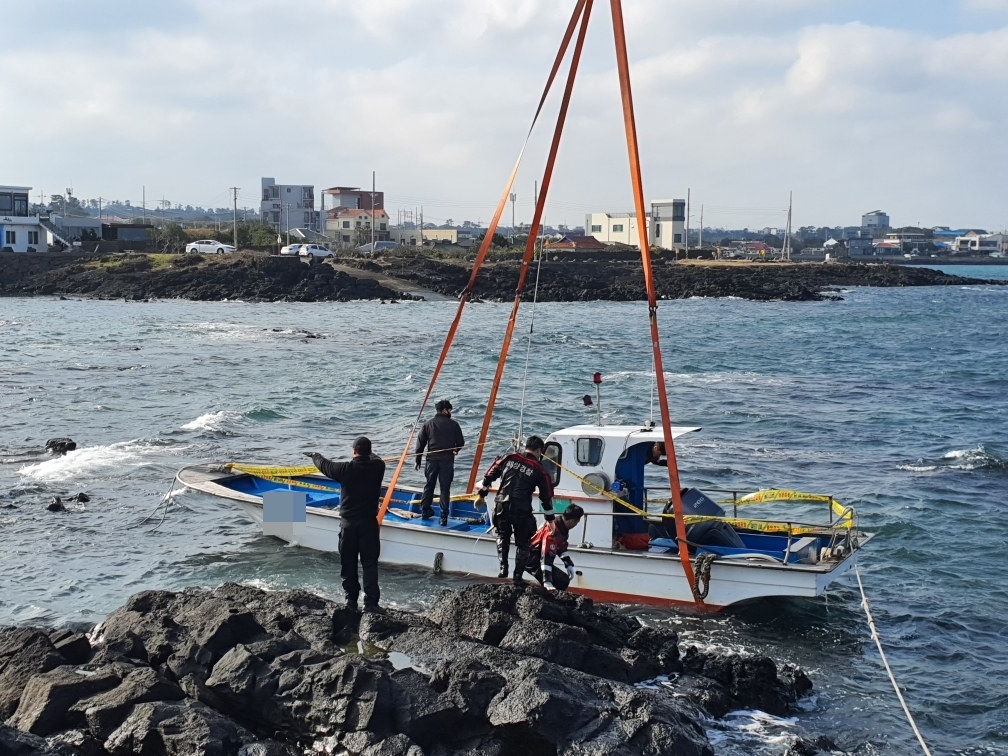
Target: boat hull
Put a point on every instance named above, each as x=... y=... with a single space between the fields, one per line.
x=611 y=575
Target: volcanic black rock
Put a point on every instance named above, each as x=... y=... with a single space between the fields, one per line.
x=490 y=669
x=60 y=445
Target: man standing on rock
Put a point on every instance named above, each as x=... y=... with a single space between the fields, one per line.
x=442 y=437
x=360 y=482
x=522 y=475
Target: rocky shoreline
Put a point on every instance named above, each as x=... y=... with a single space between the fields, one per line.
x=490 y=669
x=564 y=278
x=195 y=277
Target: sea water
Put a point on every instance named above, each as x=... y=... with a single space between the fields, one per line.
x=893 y=400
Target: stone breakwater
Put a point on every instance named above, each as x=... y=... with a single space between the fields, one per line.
x=490 y=669
x=210 y=278
x=566 y=277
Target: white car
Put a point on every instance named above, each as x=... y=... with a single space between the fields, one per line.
x=208 y=247
x=291 y=249
x=313 y=250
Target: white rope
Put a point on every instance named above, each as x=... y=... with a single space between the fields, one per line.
x=528 y=352
x=875 y=637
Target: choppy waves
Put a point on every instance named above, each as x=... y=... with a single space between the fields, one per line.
x=963 y=460
x=90 y=462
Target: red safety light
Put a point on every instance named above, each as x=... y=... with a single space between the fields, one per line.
x=597 y=378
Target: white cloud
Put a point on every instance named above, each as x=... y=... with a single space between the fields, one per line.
x=732 y=99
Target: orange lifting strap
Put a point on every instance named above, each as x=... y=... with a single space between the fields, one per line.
x=642 y=228
x=529 y=247
x=480 y=258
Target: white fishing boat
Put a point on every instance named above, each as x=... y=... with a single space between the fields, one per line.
x=602 y=469
x=634 y=545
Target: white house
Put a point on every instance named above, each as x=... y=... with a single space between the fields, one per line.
x=19 y=232
x=348 y=225
x=666 y=226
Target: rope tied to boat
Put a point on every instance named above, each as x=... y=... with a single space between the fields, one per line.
x=892 y=678
x=701 y=572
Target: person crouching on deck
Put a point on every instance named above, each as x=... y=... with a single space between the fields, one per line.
x=550 y=542
x=521 y=475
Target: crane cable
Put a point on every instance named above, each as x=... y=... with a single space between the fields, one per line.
x=480 y=258
x=892 y=679
x=530 y=242
x=528 y=353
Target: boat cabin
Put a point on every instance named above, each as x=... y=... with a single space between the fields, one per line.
x=586 y=460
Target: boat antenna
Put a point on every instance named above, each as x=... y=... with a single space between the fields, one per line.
x=528 y=348
x=654 y=377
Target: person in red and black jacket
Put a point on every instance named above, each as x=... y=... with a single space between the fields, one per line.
x=521 y=475
x=550 y=542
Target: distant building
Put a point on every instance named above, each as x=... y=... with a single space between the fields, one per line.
x=860 y=245
x=443 y=235
x=348 y=225
x=19 y=232
x=286 y=206
x=980 y=243
x=875 y=219
x=576 y=244
x=666 y=226
x=353 y=197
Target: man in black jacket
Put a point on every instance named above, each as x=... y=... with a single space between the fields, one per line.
x=442 y=438
x=521 y=475
x=360 y=482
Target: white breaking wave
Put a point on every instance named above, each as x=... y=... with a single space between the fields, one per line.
x=919 y=467
x=88 y=461
x=211 y=421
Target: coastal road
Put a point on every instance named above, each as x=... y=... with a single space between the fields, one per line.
x=396 y=284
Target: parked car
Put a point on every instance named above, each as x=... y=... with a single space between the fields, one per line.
x=314 y=250
x=208 y=247
x=291 y=249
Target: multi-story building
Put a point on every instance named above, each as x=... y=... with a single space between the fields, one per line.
x=875 y=219
x=666 y=226
x=288 y=206
x=19 y=231
x=348 y=225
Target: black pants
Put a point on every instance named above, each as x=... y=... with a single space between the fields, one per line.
x=561 y=581
x=521 y=525
x=360 y=540
x=439 y=472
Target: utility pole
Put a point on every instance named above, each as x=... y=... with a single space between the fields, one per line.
x=687 y=222
x=288 y=223
x=372 y=211
x=701 y=225
x=145 y=205
x=99 y=209
x=513 y=198
x=234 y=191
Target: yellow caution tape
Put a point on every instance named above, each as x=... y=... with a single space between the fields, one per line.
x=279 y=472
x=777 y=494
x=765 y=526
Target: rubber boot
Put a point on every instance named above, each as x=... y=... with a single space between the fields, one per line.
x=503 y=548
x=521 y=560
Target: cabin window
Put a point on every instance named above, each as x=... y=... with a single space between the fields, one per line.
x=589 y=451
x=551 y=461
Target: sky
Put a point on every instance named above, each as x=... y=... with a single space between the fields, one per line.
x=852 y=105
